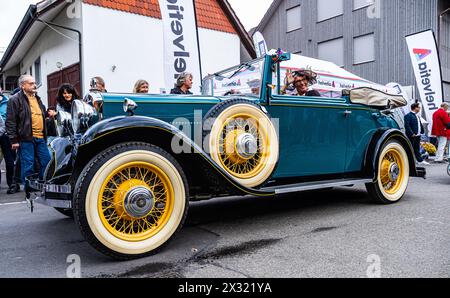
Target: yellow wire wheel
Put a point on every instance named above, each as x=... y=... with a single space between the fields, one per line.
x=393 y=172
x=244 y=142
x=135 y=202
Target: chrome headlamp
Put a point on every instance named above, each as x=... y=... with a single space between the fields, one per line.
x=96 y=100
x=83 y=116
x=63 y=123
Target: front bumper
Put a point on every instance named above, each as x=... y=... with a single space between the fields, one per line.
x=53 y=195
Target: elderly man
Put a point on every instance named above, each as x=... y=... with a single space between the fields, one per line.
x=184 y=84
x=25 y=126
x=441 y=122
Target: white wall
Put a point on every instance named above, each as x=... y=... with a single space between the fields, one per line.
x=219 y=50
x=134 y=45
x=53 y=48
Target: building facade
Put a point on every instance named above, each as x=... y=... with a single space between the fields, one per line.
x=63 y=41
x=367 y=39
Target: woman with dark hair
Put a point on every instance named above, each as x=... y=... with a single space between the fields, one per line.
x=66 y=95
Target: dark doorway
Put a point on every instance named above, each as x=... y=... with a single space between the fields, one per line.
x=70 y=75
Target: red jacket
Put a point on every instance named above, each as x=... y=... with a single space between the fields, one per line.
x=440 y=121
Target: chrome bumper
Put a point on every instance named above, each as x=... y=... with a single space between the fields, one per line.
x=53 y=188
x=53 y=195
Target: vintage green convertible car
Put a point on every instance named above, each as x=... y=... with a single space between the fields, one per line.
x=127 y=165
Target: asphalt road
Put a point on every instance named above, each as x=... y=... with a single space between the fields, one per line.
x=333 y=233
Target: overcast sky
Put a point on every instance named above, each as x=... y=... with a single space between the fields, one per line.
x=250 y=12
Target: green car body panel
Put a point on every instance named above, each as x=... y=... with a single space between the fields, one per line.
x=318 y=137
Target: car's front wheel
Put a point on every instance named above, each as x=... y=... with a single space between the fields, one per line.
x=130 y=200
x=392 y=174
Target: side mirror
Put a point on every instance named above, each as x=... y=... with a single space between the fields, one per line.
x=95 y=99
x=129 y=106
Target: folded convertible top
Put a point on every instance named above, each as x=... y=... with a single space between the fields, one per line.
x=376 y=99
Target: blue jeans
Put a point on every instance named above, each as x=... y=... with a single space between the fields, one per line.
x=32 y=152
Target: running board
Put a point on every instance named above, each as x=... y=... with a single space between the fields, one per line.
x=315 y=185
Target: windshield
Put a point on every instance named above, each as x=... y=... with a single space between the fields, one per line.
x=243 y=79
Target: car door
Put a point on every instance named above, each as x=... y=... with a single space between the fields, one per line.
x=312 y=135
x=362 y=126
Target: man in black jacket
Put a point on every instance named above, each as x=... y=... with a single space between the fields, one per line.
x=414 y=129
x=184 y=84
x=25 y=126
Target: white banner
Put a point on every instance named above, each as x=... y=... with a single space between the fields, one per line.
x=425 y=59
x=260 y=44
x=181 y=52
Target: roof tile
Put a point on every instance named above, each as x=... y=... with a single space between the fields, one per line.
x=209 y=13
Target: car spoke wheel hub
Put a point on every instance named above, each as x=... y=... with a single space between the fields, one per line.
x=246 y=145
x=242 y=146
x=139 y=201
x=135 y=201
x=392 y=168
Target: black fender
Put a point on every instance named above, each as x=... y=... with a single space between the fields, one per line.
x=205 y=177
x=59 y=169
x=373 y=151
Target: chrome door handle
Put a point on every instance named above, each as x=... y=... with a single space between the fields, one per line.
x=347 y=113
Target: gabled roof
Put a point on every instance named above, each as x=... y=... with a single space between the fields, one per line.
x=46 y=10
x=269 y=13
x=211 y=14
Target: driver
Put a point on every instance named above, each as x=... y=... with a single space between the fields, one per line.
x=298 y=82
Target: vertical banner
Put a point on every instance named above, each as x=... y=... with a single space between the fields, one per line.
x=259 y=44
x=427 y=68
x=181 y=48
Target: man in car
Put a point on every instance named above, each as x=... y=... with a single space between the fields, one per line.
x=184 y=84
x=297 y=83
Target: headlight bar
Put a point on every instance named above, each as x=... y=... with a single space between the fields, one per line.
x=82 y=115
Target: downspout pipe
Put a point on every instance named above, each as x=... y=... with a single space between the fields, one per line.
x=441 y=15
x=80 y=47
x=440 y=23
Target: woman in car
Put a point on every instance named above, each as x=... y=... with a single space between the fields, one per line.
x=141 y=86
x=66 y=95
x=297 y=83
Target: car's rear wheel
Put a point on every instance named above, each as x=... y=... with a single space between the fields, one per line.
x=392 y=174
x=130 y=200
x=242 y=140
